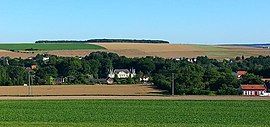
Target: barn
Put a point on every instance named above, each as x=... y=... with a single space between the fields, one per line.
x=253 y=89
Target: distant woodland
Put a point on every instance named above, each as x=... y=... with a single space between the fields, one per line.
x=103 y=41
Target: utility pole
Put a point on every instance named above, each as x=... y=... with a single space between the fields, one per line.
x=29 y=83
x=172 y=84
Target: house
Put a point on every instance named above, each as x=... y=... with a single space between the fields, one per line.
x=109 y=81
x=144 y=79
x=5 y=60
x=177 y=59
x=33 y=66
x=267 y=83
x=266 y=79
x=104 y=81
x=60 y=80
x=46 y=58
x=253 y=89
x=121 y=73
x=192 y=60
x=240 y=73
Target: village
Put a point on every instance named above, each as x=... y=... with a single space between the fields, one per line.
x=129 y=76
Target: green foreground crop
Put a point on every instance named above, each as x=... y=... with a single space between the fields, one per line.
x=134 y=113
x=48 y=47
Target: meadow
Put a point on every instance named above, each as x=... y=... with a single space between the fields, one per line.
x=49 y=47
x=133 y=113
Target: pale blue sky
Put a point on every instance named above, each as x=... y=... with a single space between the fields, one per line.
x=178 y=21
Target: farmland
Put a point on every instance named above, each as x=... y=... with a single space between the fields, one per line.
x=79 y=90
x=183 y=50
x=25 y=50
x=133 y=113
x=131 y=50
x=49 y=47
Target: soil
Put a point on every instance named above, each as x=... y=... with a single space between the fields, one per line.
x=79 y=90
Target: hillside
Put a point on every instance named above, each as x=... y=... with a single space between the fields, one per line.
x=179 y=50
x=48 y=47
x=132 y=50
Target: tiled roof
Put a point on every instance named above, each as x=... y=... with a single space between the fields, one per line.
x=241 y=72
x=121 y=70
x=253 y=87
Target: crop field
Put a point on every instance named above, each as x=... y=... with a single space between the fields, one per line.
x=183 y=50
x=30 y=49
x=49 y=47
x=133 y=113
x=132 y=50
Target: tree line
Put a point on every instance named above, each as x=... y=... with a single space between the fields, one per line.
x=103 y=41
x=199 y=75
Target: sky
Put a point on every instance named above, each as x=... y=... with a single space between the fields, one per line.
x=177 y=21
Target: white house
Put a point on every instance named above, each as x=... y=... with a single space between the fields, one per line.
x=253 y=89
x=121 y=73
x=145 y=79
x=46 y=58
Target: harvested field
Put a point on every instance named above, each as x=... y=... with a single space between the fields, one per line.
x=179 y=50
x=160 y=50
x=63 y=53
x=30 y=50
x=48 y=47
x=72 y=53
x=4 y=53
x=79 y=90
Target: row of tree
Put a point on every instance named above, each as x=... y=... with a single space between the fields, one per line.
x=203 y=76
x=103 y=41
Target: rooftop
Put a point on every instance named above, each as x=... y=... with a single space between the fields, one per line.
x=253 y=87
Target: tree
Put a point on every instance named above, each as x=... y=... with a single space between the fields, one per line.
x=18 y=75
x=250 y=78
x=4 y=79
x=146 y=65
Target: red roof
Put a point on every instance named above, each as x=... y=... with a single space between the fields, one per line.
x=253 y=87
x=241 y=73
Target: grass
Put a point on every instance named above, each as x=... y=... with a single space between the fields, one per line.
x=219 y=52
x=48 y=47
x=210 y=48
x=133 y=113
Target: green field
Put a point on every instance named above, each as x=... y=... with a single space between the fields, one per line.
x=134 y=113
x=48 y=47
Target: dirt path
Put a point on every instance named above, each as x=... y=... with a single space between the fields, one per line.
x=193 y=97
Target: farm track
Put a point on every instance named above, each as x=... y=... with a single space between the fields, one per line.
x=142 y=97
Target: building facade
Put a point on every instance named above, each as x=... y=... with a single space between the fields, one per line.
x=121 y=73
x=253 y=89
